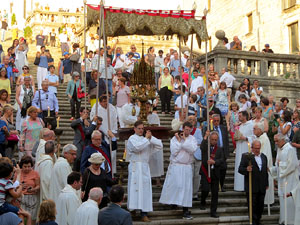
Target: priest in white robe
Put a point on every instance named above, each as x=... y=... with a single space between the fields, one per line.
x=178 y=186
x=139 y=149
x=87 y=213
x=266 y=149
x=68 y=201
x=102 y=112
x=295 y=193
x=243 y=136
x=130 y=113
x=61 y=170
x=286 y=171
x=44 y=168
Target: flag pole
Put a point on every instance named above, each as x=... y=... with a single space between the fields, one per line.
x=84 y=18
x=98 y=74
x=207 y=106
x=190 y=74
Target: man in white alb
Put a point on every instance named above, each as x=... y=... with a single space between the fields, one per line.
x=140 y=148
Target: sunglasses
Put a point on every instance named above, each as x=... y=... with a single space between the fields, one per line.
x=210 y=100
x=25 y=68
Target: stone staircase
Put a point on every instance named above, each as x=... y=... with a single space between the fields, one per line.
x=232 y=206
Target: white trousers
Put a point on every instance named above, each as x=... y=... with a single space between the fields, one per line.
x=40 y=75
x=119 y=112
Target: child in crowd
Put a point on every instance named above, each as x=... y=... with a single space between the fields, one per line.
x=192 y=108
x=6 y=185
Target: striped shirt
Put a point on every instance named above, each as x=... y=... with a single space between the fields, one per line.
x=4 y=186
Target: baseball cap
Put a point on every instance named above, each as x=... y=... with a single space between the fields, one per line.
x=66 y=53
x=267 y=45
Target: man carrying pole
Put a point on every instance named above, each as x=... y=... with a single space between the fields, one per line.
x=254 y=166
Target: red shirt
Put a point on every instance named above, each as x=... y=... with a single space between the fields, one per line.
x=185 y=77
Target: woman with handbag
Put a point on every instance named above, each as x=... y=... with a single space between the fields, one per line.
x=95 y=176
x=76 y=58
x=75 y=92
x=24 y=96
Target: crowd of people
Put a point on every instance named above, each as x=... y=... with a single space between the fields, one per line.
x=70 y=186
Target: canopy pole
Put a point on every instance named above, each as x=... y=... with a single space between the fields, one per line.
x=207 y=106
x=98 y=73
x=85 y=48
x=181 y=86
x=106 y=77
x=190 y=75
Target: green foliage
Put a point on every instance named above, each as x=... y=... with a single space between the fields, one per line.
x=27 y=32
x=287 y=75
x=13 y=19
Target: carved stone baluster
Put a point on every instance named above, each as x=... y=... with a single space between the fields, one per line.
x=232 y=67
x=258 y=68
x=245 y=67
x=272 y=69
x=252 y=68
x=297 y=71
x=239 y=67
x=278 y=69
x=284 y=69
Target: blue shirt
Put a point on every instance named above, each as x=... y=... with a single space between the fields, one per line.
x=2 y=133
x=199 y=138
x=67 y=66
x=48 y=99
x=52 y=78
x=9 y=70
x=43 y=61
x=135 y=55
x=220 y=142
x=175 y=63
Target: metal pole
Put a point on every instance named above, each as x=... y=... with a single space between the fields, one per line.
x=105 y=71
x=84 y=18
x=190 y=74
x=98 y=74
x=207 y=107
x=181 y=86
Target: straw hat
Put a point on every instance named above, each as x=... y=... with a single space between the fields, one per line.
x=96 y=158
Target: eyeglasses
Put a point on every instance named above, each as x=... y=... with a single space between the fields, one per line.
x=25 y=68
x=210 y=100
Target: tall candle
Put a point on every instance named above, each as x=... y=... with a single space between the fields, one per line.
x=48 y=111
x=211 y=125
x=124 y=155
x=249 y=148
x=200 y=112
x=58 y=118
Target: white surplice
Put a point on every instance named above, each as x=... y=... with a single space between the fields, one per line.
x=41 y=151
x=59 y=175
x=67 y=204
x=266 y=149
x=44 y=168
x=178 y=186
x=241 y=147
x=139 y=149
x=296 y=197
x=127 y=118
x=286 y=171
x=102 y=112
x=87 y=213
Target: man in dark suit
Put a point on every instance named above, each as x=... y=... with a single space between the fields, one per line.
x=215 y=162
x=82 y=129
x=257 y=164
x=223 y=142
x=113 y=214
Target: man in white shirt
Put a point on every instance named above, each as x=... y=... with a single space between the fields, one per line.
x=228 y=79
x=63 y=38
x=87 y=213
x=96 y=58
x=185 y=58
x=197 y=82
x=68 y=201
x=61 y=170
x=140 y=148
x=159 y=60
x=179 y=104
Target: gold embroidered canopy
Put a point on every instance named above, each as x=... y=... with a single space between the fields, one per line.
x=123 y=22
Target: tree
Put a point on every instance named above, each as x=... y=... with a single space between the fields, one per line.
x=28 y=32
x=13 y=19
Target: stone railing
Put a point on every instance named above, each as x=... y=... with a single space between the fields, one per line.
x=245 y=63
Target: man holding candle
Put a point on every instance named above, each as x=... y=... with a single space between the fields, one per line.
x=286 y=171
x=47 y=103
x=255 y=163
x=212 y=110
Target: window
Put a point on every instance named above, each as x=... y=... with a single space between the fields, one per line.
x=288 y=3
x=250 y=23
x=294 y=38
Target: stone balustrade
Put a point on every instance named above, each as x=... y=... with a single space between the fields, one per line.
x=245 y=63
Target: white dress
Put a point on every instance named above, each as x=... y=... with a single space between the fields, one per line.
x=59 y=175
x=139 y=179
x=287 y=174
x=241 y=147
x=67 y=204
x=266 y=149
x=87 y=213
x=178 y=186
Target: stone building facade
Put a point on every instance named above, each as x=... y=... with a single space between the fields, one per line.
x=255 y=22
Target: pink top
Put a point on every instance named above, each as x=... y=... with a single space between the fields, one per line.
x=122 y=96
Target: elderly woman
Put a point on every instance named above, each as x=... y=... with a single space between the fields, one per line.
x=47 y=213
x=72 y=93
x=95 y=176
x=26 y=73
x=119 y=59
x=30 y=131
x=5 y=82
x=30 y=180
x=24 y=97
